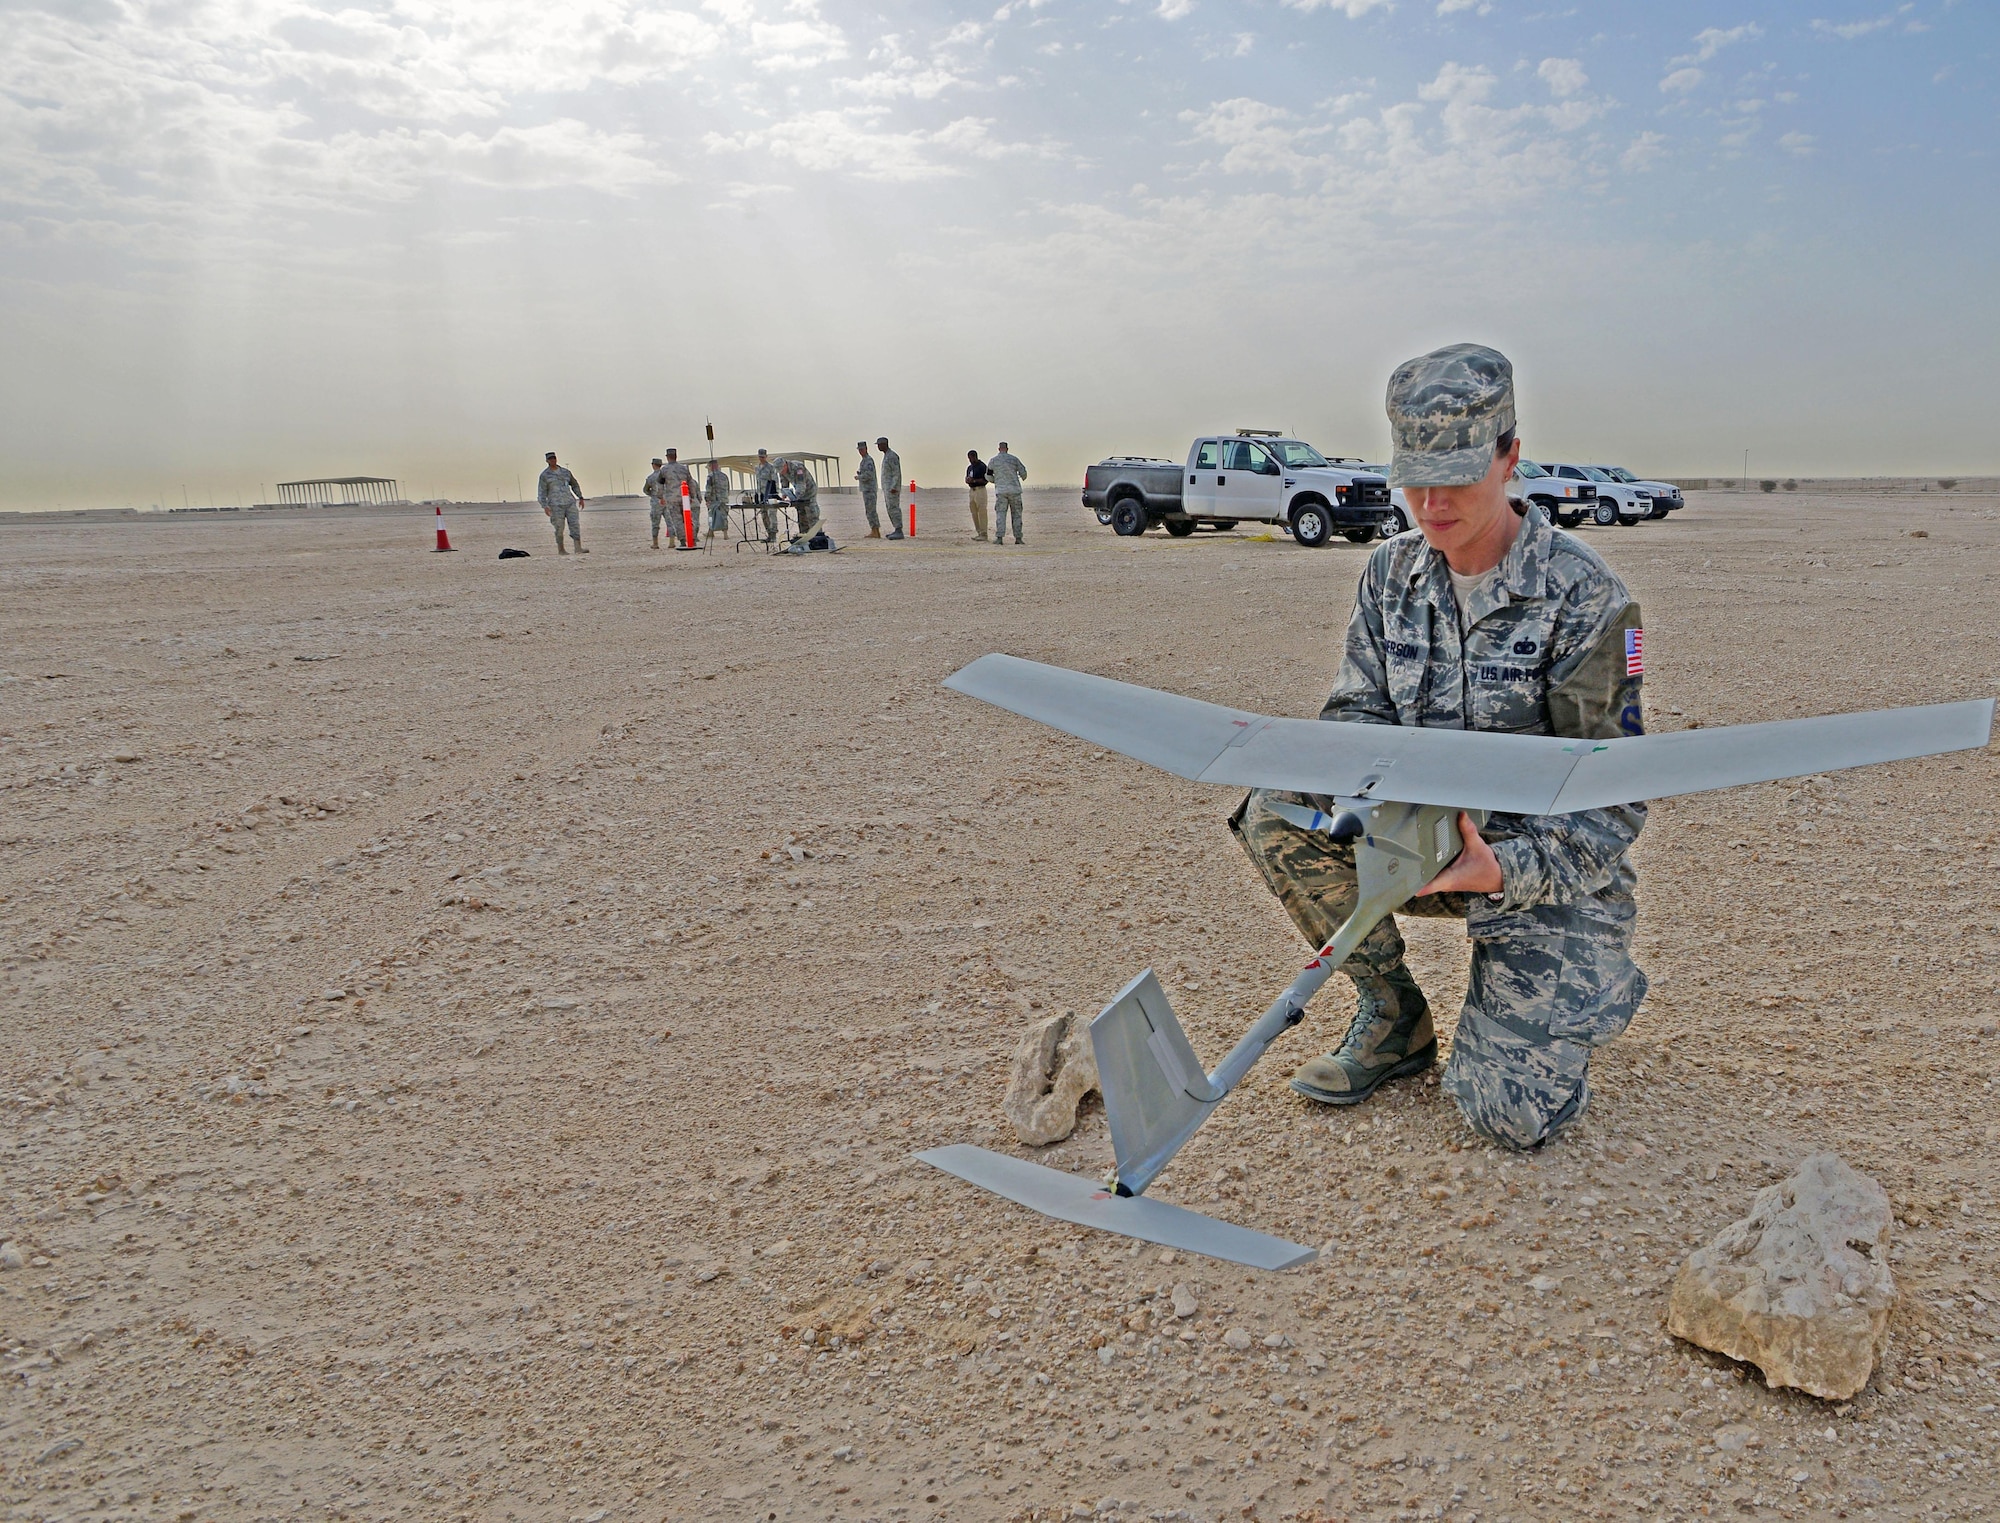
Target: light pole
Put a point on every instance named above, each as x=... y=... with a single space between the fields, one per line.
x=1746 y=471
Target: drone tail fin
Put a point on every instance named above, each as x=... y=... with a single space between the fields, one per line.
x=1156 y=1093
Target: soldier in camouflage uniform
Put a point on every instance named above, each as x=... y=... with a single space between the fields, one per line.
x=562 y=501
x=892 y=487
x=803 y=493
x=864 y=477
x=1488 y=620
x=765 y=486
x=715 y=492
x=673 y=476
x=655 y=503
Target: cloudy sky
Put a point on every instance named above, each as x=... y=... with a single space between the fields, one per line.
x=244 y=240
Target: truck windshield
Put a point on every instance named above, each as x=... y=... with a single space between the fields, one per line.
x=1598 y=475
x=1527 y=470
x=1296 y=455
x=1618 y=473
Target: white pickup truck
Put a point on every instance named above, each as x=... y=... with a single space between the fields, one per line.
x=1232 y=478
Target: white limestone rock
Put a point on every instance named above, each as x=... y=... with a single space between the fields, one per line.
x=1054 y=1069
x=1801 y=1286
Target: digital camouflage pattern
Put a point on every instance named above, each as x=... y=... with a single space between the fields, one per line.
x=864 y=477
x=804 y=493
x=1447 y=409
x=663 y=487
x=1552 y=972
x=715 y=492
x=892 y=488
x=556 y=488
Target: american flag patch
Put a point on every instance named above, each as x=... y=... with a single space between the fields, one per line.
x=1635 y=652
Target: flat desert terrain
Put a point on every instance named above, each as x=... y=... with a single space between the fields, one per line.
x=465 y=1025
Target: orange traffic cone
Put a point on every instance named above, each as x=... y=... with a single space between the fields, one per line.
x=913 y=510
x=444 y=543
x=687 y=520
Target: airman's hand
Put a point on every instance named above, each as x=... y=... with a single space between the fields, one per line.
x=1475 y=870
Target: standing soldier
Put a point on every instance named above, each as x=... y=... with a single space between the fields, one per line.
x=864 y=475
x=767 y=491
x=892 y=486
x=673 y=476
x=715 y=492
x=1486 y=620
x=1008 y=474
x=655 y=501
x=562 y=499
x=975 y=492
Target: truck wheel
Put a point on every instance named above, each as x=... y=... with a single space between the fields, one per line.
x=1180 y=528
x=1605 y=514
x=1128 y=516
x=1392 y=524
x=1312 y=524
x=1357 y=536
x=1104 y=515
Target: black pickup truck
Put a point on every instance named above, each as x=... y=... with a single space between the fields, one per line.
x=1248 y=476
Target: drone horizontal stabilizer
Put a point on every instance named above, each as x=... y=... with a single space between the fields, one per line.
x=1464 y=769
x=1086 y=1202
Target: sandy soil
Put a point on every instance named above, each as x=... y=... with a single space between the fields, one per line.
x=467 y=1025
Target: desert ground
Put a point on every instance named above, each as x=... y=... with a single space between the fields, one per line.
x=467 y=1024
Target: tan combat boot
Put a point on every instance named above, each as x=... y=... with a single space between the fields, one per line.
x=1391 y=1038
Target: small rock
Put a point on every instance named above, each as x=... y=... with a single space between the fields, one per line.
x=11 y=1256
x=125 y=756
x=844 y=1452
x=1542 y=1284
x=1106 y=1354
x=58 y=1449
x=1276 y=1340
x=706 y=1273
x=1237 y=1339
x=1185 y=1304
x=778 y=1249
x=1054 y=1069
x=1733 y=1438
x=331 y=994
x=1801 y=1286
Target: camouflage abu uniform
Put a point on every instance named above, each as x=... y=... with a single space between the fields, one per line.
x=804 y=494
x=667 y=503
x=1545 y=652
x=715 y=492
x=1008 y=474
x=765 y=487
x=892 y=487
x=864 y=477
x=561 y=498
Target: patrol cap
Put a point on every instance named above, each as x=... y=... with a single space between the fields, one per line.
x=658 y=461
x=549 y=455
x=1447 y=410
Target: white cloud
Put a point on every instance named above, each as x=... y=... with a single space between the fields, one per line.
x=1174 y=10
x=1681 y=81
x=1259 y=138
x=1712 y=40
x=1847 y=31
x=1453 y=7
x=1353 y=10
x=1563 y=76
x=1799 y=143
x=853 y=141
x=1646 y=150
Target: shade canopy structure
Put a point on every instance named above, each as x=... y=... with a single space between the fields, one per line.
x=825 y=468
x=351 y=489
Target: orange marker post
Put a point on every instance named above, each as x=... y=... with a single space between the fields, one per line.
x=687 y=519
x=444 y=543
x=913 y=510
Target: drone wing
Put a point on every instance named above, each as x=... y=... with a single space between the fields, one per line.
x=1466 y=769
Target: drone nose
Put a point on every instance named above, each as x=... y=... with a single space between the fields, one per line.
x=1346 y=826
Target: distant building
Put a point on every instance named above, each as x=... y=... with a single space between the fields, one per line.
x=351 y=489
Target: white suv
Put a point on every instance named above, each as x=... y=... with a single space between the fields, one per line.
x=1666 y=496
x=1563 y=500
x=1617 y=503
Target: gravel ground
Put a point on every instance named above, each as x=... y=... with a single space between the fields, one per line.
x=467 y=1025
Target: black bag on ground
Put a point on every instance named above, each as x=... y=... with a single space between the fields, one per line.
x=511 y=554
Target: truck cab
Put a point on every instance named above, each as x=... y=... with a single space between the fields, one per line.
x=1262 y=476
